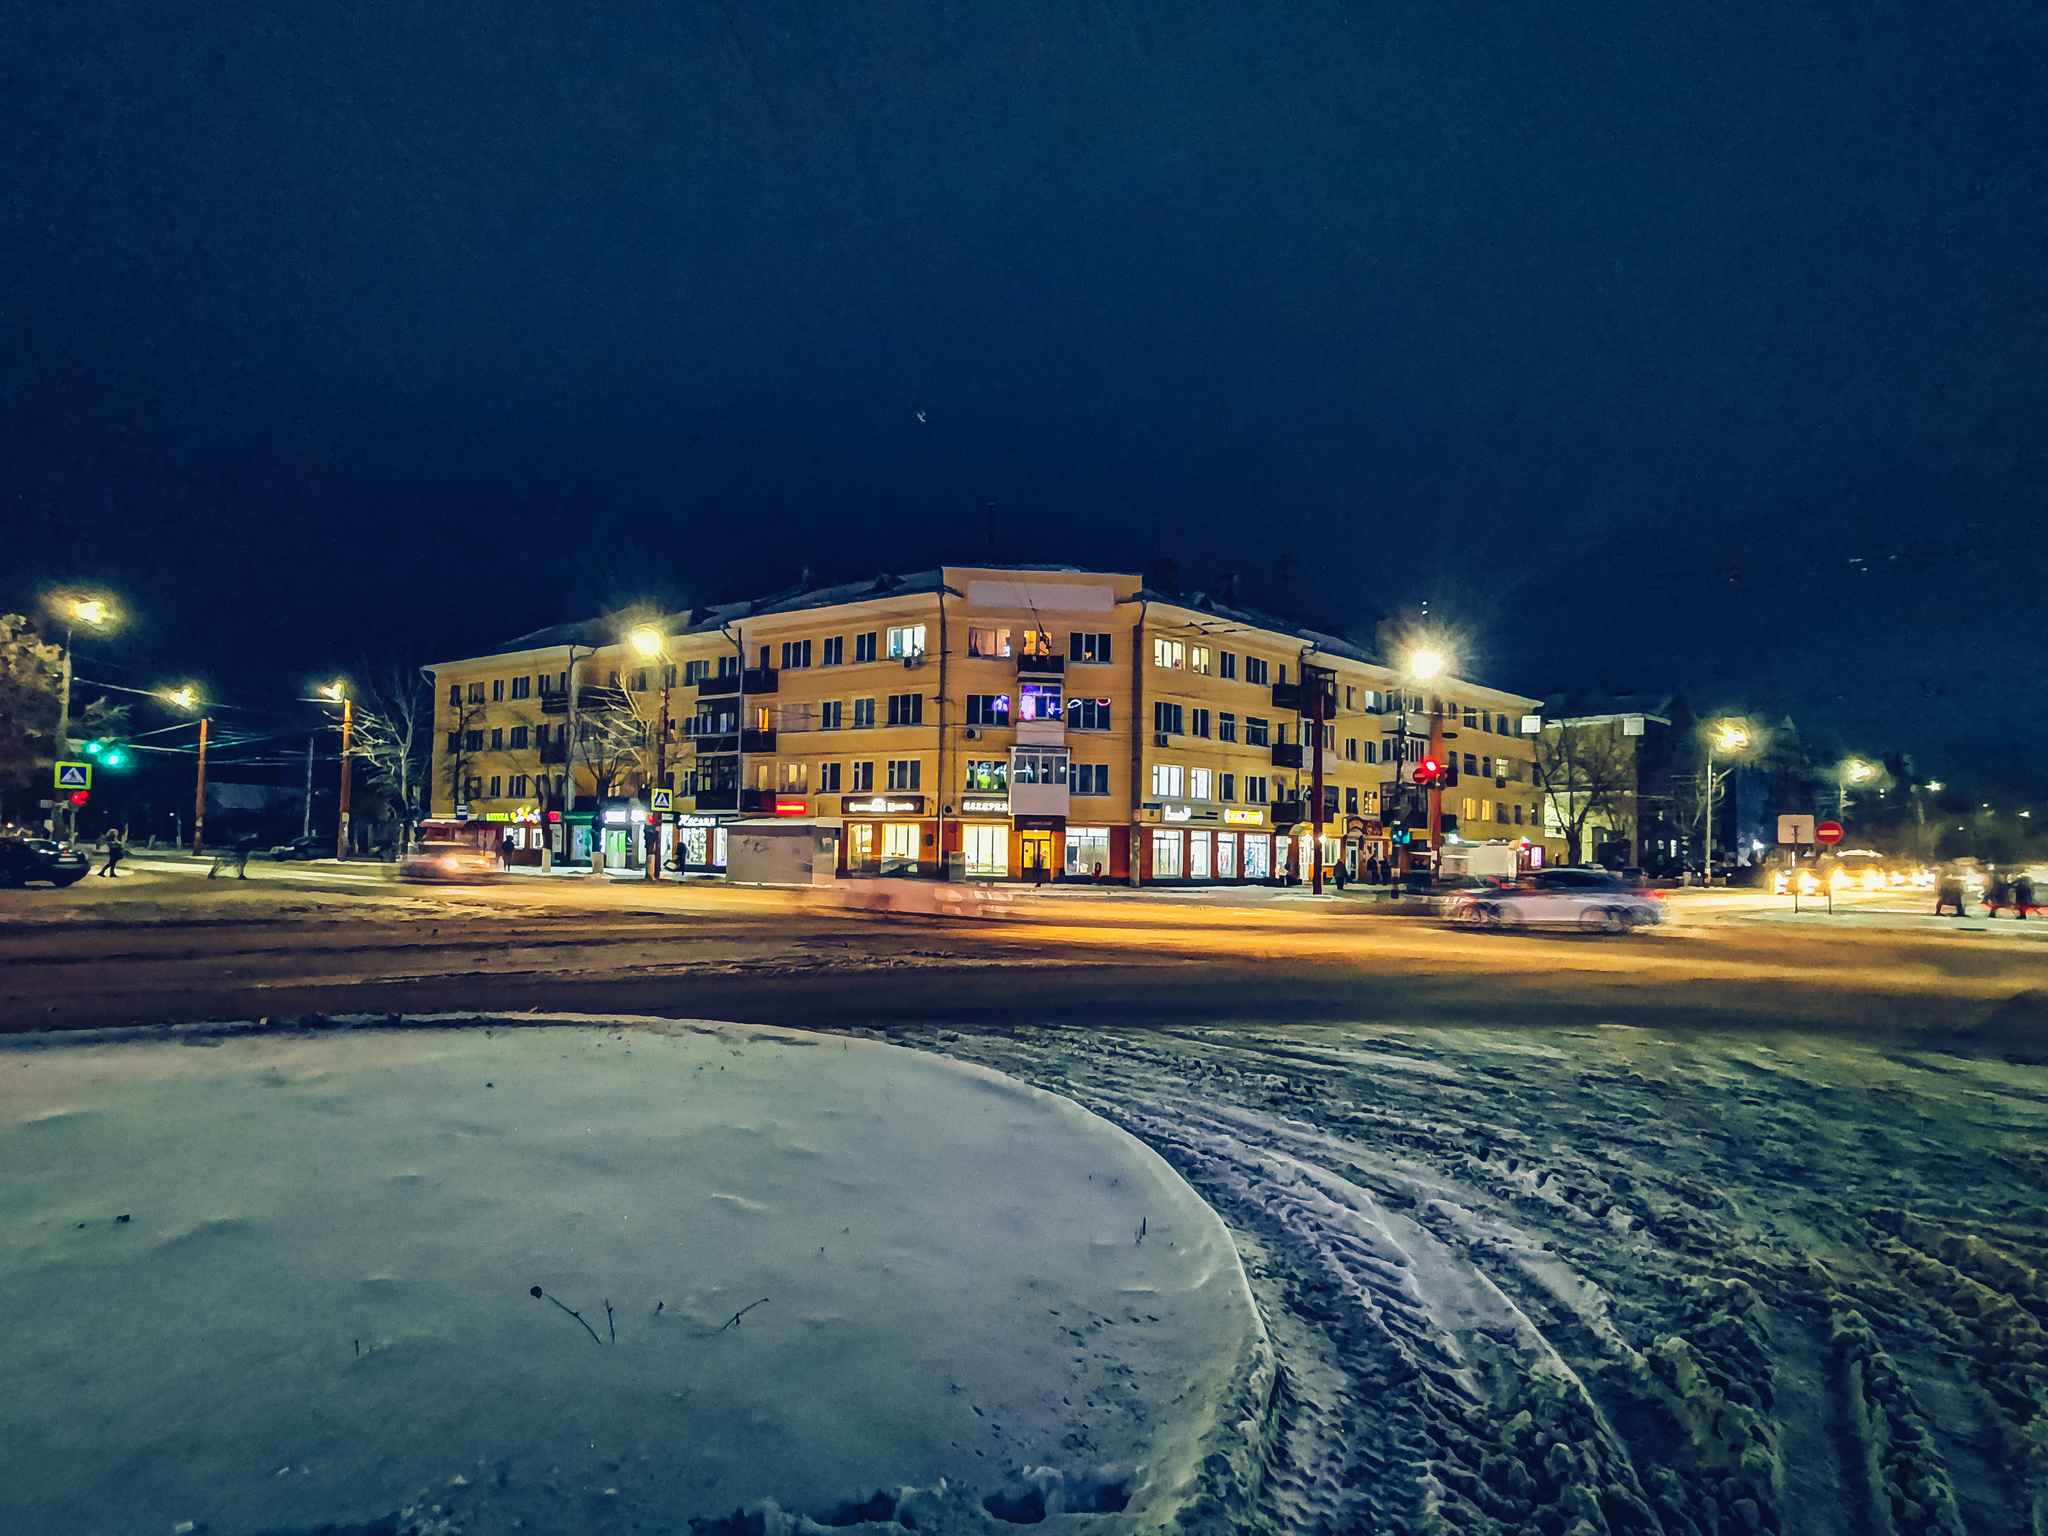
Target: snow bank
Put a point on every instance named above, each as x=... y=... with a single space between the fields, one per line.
x=267 y=1282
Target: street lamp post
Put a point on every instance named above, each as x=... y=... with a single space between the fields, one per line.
x=1730 y=738
x=96 y=613
x=339 y=693
x=649 y=643
x=199 y=796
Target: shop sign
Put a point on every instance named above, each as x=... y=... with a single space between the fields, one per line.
x=983 y=806
x=497 y=815
x=700 y=821
x=790 y=807
x=1244 y=818
x=881 y=805
x=616 y=818
x=1178 y=813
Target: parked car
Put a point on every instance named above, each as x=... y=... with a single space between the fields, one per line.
x=304 y=848
x=1591 y=899
x=23 y=859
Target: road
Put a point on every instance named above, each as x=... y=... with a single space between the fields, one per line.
x=1733 y=1225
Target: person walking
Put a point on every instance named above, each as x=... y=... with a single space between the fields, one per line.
x=2022 y=893
x=238 y=856
x=1948 y=892
x=1997 y=893
x=116 y=851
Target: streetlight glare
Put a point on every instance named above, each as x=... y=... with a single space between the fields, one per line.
x=1425 y=664
x=646 y=641
x=185 y=697
x=1733 y=738
x=91 y=611
x=334 y=691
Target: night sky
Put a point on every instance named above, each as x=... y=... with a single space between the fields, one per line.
x=1698 y=346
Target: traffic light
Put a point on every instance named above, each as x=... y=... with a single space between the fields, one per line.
x=107 y=752
x=1429 y=773
x=80 y=796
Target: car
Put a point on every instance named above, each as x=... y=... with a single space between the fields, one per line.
x=304 y=848
x=1594 y=900
x=450 y=861
x=23 y=859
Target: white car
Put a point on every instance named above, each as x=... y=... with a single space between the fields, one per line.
x=1589 y=899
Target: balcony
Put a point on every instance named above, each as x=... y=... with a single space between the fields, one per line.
x=1041 y=666
x=757 y=741
x=1287 y=754
x=758 y=680
x=1289 y=813
x=554 y=751
x=1041 y=733
x=714 y=687
x=719 y=799
x=601 y=698
x=758 y=801
x=708 y=744
x=1301 y=697
x=554 y=703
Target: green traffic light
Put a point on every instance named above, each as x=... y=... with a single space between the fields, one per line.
x=92 y=748
x=115 y=758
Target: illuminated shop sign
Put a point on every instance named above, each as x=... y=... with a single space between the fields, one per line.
x=700 y=821
x=972 y=806
x=880 y=805
x=1244 y=818
x=789 y=807
x=1178 y=813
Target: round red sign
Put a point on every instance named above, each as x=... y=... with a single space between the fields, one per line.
x=1827 y=832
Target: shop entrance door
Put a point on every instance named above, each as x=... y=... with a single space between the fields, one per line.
x=1037 y=854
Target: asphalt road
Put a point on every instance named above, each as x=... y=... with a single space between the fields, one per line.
x=164 y=944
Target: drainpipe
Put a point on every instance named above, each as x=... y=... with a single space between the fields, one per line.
x=941 y=789
x=1137 y=732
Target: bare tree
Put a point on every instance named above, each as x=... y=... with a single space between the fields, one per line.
x=463 y=723
x=30 y=670
x=613 y=734
x=394 y=741
x=1586 y=770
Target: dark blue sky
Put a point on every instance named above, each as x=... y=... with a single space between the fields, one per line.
x=1662 y=346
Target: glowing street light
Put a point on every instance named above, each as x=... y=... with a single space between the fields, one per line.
x=186 y=697
x=1426 y=664
x=93 y=611
x=1728 y=737
x=337 y=692
x=647 y=641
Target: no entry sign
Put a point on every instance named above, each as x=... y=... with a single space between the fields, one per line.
x=1827 y=832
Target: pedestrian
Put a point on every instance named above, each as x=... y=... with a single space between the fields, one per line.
x=1997 y=893
x=238 y=856
x=1948 y=892
x=2023 y=892
x=1098 y=872
x=1342 y=871
x=116 y=851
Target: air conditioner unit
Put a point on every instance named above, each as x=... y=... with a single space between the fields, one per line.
x=914 y=659
x=971 y=734
x=1161 y=739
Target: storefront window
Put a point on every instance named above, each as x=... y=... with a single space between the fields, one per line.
x=899 y=845
x=1087 y=847
x=860 y=845
x=1226 y=856
x=1165 y=855
x=987 y=851
x=1258 y=856
x=1198 y=855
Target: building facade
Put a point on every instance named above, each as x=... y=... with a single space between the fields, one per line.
x=981 y=723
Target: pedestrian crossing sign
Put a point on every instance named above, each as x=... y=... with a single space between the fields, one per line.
x=74 y=775
x=661 y=799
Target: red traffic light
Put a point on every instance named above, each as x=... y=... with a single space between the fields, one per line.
x=80 y=796
x=1429 y=771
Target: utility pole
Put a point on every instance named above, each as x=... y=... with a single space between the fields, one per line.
x=348 y=715
x=660 y=818
x=306 y=827
x=1319 y=708
x=199 y=797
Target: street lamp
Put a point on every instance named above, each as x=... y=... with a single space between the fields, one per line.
x=187 y=699
x=1854 y=771
x=337 y=692
x=649 y=643
x=95 y=613
x=1728 y=737
x=1420 y=665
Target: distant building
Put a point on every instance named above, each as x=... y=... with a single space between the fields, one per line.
x=1631 y=793
x=988 y=722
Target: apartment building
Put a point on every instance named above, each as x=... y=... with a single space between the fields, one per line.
x=981 y=723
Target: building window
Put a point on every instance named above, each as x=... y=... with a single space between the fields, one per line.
x=1166 y=719
x=1255 y=671
x=1165 y=854
x=988 y=642
x=729 y=666
x=1087 y=851
x=835 y=651
x=1198 y=722
x=796 y=655
x=1226 y=726
x=1226 y=787
x=495 y=793
x=1471 y=765
x=455 y=695
x=985 y=851
x=497 y=738
x=1091 y=778
x=1255 y=731
x=864 y=646
x=454 y=741
x=516 y=788
x=1198 y=659
x=988 y=709
x=522 y=687
x=1198 y=855
x=476 y=693
x=831 y=715
x=906 y=709
x=906 y=641
x=695 y=672
x=906 y=773
x=1226 y=664
x=1372 y=751
x=988 y=776
x=1168 y=780
x=1038 y=701
x=1036 y=642
x=863 y=778
x=518 y=742
x=473 y=741
x=1350 y=801
x=793 y=778
x=899 y=845
x=1087 y=714
x=1518 y=815
x=1255 y=789
x=1088 y=648
x=863 y=714
x=1171 y=654
x=1486 y=767
x=497 y=690
x=1038 y=768
x=1500 y=811
x=1198 y=783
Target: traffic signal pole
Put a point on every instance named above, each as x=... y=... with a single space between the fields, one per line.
x=199 y=797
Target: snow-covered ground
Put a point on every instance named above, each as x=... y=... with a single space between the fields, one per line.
x=1611 y=1279
x=273 y=1282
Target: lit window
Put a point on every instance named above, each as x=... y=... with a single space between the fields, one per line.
x=989 y=776
x=1038 y=701
x=1167 y=780
x=1169 y=653
x=906 y=641
x=1198 y=783
x=988 y=642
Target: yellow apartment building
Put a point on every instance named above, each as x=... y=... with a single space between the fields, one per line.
x=972 y=722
